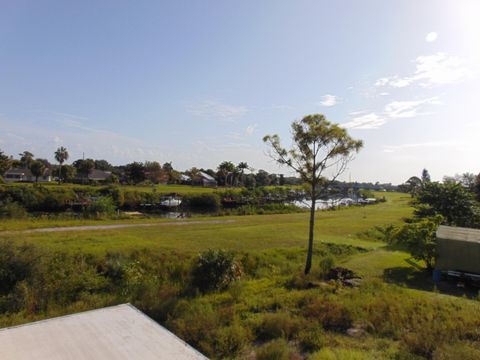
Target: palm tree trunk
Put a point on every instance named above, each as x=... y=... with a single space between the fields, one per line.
x=308 y=264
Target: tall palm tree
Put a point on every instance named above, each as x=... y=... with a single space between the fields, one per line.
x=26 y=159
x=61 y=155
x=225 y=169
x=242 y=166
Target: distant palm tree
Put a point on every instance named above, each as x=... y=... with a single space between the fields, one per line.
x=241 y=168
x=61 y=155
x=26 y=159
x=225 y=169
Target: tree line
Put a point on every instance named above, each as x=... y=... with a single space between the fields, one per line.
x=225 y=174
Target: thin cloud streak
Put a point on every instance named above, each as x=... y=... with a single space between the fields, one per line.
x=214 y=109
x=393 y=110
x=407 y=109
x=431 y=70
x=429 y=144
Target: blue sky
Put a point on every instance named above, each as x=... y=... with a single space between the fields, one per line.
x=199 y=82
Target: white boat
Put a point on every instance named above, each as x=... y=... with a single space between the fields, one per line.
x=171 y=202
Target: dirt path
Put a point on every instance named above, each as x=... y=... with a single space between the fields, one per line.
x=116 y=226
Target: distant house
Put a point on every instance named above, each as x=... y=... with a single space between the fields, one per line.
x=185 y=179
x=117 y=332
x=201 y=178
x=25 y=175
x=207 y=180
x=99 y=175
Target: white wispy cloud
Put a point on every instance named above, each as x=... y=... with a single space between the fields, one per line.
x=214 y=109
x=251 y=129
x=407 y=109
x=328 y=100
x=430 y=70
x=431 y=36
x=392 y=110
x=428 y=144
x=366 y=121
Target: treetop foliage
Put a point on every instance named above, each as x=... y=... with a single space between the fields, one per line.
x=318 y=145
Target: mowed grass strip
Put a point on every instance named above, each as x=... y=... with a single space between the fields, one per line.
x=246 y=233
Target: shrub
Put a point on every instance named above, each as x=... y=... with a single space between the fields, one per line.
x=158 y=301
x=117 y=195
x=332 y=315
x=16 y=264
x=202 y=202
x=456 y=351
x=419 y=238
x=326 y=264
x=230 y=340
x=274 y=350
x=113 y=267
x=196 y=323
x=311 y=339
x=215 y=270
x=12 y=210
x=132 y=199
x=276 y=325
x=65 y=279
x=339 y=353
x=101 y=206
x=301 y=281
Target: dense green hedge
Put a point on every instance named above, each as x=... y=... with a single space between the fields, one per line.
x=17 y=199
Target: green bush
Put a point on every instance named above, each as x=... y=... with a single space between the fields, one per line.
x=274 y=350
x=312 y=338
x=132 y=199
x=230 y=340
x=331 y=315
x=117 y=195
x=195 y=322
x=158 y=301
x=326 y=264
x=202 y=202
x=419 y=239
x=463 y=351
x=65 y=279
x=339 y=353
x=102 y=206
x=12 y=210
x=16 y=264
x=276 y=325
x=215 y=270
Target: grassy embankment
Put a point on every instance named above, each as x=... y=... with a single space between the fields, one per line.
x=254 y=232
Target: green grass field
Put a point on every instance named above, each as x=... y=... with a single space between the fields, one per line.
x=255 y=232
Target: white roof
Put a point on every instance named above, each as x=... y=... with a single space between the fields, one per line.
x=206 y=176
x=117 y=332
x=458 y=233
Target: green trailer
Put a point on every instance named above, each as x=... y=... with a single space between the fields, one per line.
x=458 y=252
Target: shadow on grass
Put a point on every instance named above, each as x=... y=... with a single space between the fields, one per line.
x=421 y=279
